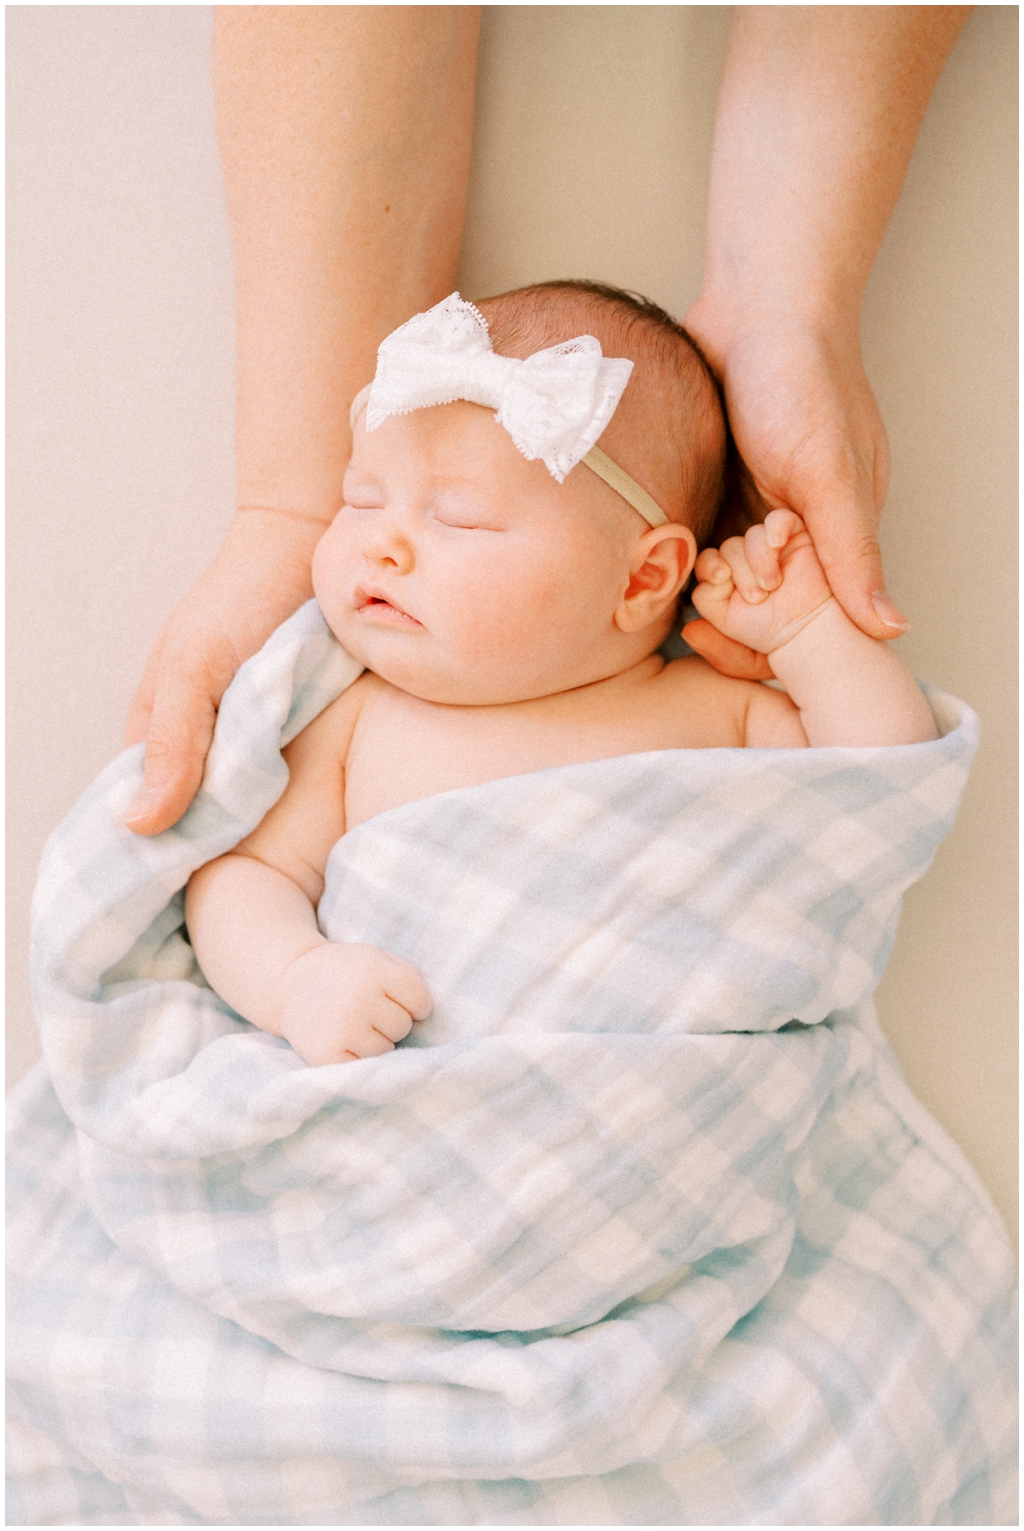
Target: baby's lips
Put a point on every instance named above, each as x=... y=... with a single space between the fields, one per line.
x=372 y=595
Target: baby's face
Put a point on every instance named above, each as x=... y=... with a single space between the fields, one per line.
x=462 y=573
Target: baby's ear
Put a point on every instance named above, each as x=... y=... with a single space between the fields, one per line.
x=658 y=570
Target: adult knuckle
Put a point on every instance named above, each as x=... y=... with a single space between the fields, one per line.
x=864 y=549
x=163 y=749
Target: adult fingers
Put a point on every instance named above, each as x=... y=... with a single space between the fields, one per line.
x=261 y=574
x=141 y=708
x=845 y=541
x=725 y=654
x=180 y=729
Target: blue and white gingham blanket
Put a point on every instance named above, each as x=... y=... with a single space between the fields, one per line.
x=641 y=1228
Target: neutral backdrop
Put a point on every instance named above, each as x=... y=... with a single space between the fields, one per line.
x=591 y=159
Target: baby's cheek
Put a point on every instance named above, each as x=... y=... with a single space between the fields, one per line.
x=517 y=624
x=326 y=570
x=328 y=590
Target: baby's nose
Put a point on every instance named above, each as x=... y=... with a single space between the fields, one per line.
x=389 y=546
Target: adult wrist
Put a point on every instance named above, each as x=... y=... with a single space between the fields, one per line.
x=284 y=521
x=276 y=531
x=725 y=316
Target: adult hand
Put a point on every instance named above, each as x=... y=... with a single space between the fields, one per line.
x=328 y=118
x=811 y=437
x=259 y=576
x=817 y=115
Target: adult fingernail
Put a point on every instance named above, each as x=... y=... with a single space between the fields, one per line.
x=888 y=612
x=143 y=805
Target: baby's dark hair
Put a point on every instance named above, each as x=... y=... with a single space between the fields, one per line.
x=669 y=429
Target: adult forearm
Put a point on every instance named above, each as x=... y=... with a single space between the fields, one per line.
x=817 y=117
x=345 y=139
x=818 y=113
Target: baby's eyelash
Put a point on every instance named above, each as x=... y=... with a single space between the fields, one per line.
x=468 y=519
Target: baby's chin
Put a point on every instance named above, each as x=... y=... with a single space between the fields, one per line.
x=458 y=688
x=487 y=674
x=449 y=681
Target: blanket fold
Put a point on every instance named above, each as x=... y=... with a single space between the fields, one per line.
x=641 y=1219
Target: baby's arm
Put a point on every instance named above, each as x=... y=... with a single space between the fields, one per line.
x=252 y=920
x=767 y=590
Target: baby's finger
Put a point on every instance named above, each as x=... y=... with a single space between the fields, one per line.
x=391 y=1020
x=780 y=525
x=404 y=984
x=762 y=558
x=714 y=592
x=711 y=568
x=734 y=552
x=368 y=1042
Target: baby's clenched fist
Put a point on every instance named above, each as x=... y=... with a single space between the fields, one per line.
x=343 y=1001
x=764 y=588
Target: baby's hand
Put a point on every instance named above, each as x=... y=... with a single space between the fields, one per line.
x=763 y=588
x=347 y=1001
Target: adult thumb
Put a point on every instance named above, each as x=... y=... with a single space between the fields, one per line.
x=725 y=654
x=845 y=541
x=180 y=730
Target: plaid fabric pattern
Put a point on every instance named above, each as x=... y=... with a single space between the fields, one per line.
x=641 y=1227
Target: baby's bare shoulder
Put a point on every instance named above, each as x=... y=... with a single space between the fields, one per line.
x=327 y=738
x=697 y=678
x=721 y=708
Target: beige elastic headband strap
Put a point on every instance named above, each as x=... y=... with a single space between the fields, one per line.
x=619 y=480
x=614 y=476
x=358 y=405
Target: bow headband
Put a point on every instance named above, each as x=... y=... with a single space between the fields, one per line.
x=554 y=404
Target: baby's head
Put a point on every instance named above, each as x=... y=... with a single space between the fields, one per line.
x=668 y=431
x=463 y=572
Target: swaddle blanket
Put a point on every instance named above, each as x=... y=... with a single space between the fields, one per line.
x=641 y=1227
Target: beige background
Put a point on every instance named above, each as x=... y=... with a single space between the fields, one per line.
x=594 y=130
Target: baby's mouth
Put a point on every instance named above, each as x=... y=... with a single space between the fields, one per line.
x=373 y=606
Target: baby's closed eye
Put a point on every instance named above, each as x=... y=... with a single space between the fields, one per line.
x=363 y=500
x=467 y=518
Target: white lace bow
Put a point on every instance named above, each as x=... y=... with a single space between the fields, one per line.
x=554 y=404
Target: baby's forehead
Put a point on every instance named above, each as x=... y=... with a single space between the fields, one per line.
x=457 y=442
x=467 y=458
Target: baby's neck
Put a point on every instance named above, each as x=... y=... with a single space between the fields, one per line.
x=404 y=748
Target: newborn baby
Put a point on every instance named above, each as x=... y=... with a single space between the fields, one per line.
x=507 y=585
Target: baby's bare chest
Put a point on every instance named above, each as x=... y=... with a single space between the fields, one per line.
x=403 y=749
